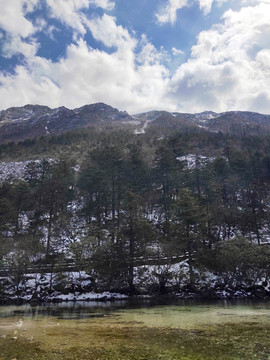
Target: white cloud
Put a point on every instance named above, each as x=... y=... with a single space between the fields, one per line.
x=12 y=17
x=206 y=5
x=177 y=52
x=229 y=65
x=69 y=12
x=129 y=82
x=228 y=68
x=168 y=13
x=255 y=2
x=17 y=27
x=149 y=54
x=30 y=5
x=42 y=26
x=105 y=30
x=104 y=4
x=23 y=88
x=15 y=45
x=114 y=79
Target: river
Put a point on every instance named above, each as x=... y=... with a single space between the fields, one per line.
x=123 y=330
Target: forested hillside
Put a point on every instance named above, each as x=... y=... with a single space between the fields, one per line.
x=113 y=202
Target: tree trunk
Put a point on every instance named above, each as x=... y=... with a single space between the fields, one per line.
x=131 y=259
x=48 y=246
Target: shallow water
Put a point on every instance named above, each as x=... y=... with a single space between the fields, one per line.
x=126 y=331
x=189 y=317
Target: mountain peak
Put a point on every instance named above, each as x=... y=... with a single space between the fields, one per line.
x=29 y=121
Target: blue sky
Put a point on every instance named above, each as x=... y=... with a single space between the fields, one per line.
x=176 y=55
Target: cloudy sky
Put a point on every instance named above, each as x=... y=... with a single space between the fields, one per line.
x=136 y=55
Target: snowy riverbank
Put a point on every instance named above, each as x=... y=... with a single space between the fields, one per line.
x=150 y=281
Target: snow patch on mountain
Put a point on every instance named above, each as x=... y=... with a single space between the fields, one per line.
x=192 y=160
x=14 y=169
x=18 y=169
x=206 y=115
x=142 y=130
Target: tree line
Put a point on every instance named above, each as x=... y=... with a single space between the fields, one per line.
x=123 y=206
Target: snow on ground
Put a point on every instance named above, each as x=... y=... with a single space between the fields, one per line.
x=18 y=169
x=14 y=169
x=191 y=160
x=91 y=296
x=142 y=130
x=148 y=279
x=67 y=286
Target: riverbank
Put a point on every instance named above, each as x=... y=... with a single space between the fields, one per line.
x=81 y=286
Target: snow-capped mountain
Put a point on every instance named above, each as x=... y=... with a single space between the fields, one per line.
x=30 y=121
x=232 y=122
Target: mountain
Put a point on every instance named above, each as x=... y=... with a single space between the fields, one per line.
x=234 y=122
x=30 y=121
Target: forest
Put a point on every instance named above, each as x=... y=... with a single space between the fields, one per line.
x=109 y=202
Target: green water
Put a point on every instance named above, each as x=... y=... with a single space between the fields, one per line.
x=123 y=331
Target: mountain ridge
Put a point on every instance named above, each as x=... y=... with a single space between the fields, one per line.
x=30 y=121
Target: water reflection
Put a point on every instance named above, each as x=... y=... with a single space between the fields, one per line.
x=66 y=310
x=134 y=310
x=145 y=330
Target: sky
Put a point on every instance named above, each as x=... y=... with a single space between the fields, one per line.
x=136 y=55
